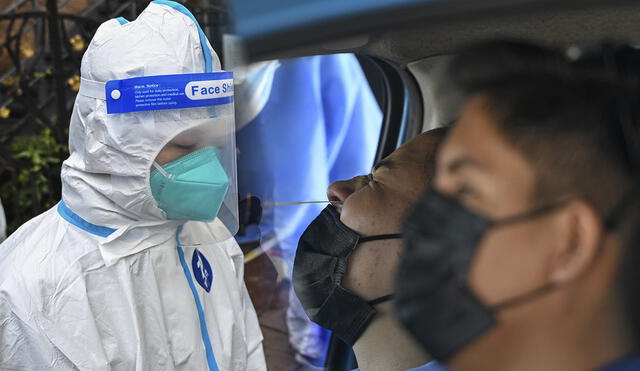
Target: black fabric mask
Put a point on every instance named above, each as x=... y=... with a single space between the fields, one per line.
x=320 y=264
x=433 y=299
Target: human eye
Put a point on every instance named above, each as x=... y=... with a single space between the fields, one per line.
x=185 y=146
x=365 y=180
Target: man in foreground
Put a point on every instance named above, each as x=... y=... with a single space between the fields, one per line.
x=512 y=257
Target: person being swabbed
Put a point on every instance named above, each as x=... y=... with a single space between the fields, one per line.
x=136 y=267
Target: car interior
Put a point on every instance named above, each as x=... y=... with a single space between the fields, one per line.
x=404 y=46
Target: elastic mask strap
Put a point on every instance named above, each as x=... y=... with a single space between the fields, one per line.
x=381 y=299
x=527 y=296
x=535 y=213
x=379 y=237
x=162 y=171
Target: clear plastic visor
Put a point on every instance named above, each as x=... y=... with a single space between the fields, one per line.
x=217 y=131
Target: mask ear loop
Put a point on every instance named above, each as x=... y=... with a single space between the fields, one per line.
x=527 y=296
x=162 y=171
x=380 y=237
x=381 y=299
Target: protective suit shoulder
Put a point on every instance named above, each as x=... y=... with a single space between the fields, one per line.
x=44 y=242
x=35 y=263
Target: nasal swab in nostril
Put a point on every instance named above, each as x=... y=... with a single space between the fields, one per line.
x=296 y=203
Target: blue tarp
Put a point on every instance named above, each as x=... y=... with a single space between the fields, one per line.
x=320 y=123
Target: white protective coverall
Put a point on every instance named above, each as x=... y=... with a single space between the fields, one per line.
x=100 y=282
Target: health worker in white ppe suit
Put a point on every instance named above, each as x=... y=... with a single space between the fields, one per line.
x=136 y=267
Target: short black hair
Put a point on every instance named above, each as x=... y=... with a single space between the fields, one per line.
x=563 y=117
x=629 y=277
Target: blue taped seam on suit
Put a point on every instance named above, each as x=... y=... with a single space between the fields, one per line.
x=75 y=219
x=205 y=49
x=122 y=20
x=211 y=358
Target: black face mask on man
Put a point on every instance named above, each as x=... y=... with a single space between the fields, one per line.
x=433 y=298
x=320 y=264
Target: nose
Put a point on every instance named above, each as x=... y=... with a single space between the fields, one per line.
x=339 y=191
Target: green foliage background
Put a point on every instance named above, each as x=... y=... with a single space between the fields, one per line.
x=30 y=179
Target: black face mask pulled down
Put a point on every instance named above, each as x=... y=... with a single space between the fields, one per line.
x=320 y=264
x=433 y=299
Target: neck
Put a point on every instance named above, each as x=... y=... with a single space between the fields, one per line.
x=589 y=346
x=385 y=346
x=574 y=328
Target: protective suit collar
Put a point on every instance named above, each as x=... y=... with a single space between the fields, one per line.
x=105 y=180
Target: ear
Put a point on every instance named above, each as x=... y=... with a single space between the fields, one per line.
x=582 y=237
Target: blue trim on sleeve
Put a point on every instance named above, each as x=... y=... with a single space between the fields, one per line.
x=75 y=219
x=122 y=20
x=203 y=39
x=211 y=358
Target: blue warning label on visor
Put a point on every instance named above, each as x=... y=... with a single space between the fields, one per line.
x=150 y=93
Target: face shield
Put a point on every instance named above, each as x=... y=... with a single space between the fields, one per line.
x=184 y=127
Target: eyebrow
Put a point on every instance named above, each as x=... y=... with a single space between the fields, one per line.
x=460 y=163
x=384 y=163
